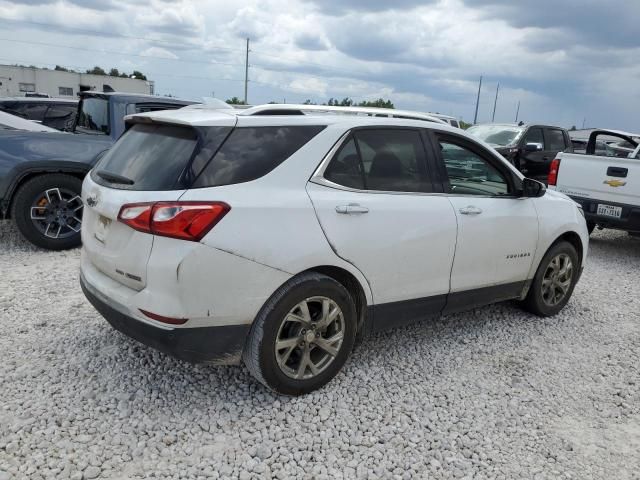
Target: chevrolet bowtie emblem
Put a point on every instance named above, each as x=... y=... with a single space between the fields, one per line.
x=615 y=183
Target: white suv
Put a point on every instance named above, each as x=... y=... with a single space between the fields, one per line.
x=281 y=240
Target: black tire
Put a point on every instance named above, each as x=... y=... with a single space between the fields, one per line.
x=259 y=354
x=29 y=193
x=534 y=302
x=591 y=226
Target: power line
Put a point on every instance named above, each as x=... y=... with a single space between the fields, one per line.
x=95 y=33
x=85 y=49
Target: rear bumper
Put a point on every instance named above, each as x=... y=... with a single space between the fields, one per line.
x=220 y=345
x=628 y=221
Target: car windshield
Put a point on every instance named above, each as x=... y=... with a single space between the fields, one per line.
x=500 y=135
x=93 y=116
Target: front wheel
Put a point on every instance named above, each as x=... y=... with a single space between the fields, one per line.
x=303 y=335
x=554 y=281
x=47 y=210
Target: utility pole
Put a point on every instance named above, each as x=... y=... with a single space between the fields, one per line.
x=517 y=111
x=246 y=74
x=475 y=117
x=583 y=122
x=495 y=103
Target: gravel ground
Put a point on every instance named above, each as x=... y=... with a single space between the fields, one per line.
x=495 y=393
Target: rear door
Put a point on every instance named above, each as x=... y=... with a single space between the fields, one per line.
x=374 y=199
x=497 y=231
x=150 y=163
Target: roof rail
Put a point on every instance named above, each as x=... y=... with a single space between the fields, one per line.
x=293 y=109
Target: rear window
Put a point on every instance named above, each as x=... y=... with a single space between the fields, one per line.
x=252 y=152
x=153 y=157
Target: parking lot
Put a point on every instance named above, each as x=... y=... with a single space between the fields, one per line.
x=494 y=393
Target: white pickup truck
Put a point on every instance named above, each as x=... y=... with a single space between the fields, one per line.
x=605 y=180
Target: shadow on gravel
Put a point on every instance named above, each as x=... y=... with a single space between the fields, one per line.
x=12 y=240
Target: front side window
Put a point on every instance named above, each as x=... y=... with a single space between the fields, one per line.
x=534 y=135
x=381 y=160
x=555 y=140
x=469 y=173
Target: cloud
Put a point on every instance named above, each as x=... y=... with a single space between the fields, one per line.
x=311 y=41
x=158 y=53
x=340 y=7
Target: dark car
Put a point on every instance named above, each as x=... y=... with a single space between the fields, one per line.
x=58 y=113
x=530 y=148
x=41 y=173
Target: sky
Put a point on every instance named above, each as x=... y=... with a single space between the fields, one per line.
x=568 y=62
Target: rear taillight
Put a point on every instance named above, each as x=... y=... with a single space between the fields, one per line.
x=183 y=220
x=553 y=172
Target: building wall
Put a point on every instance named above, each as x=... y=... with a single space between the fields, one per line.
x=16 y=81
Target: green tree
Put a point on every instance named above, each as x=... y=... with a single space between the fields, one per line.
x=379 y=103
x=97 y=71
x=308 y=102
x=62 y=69
x=235 y=101
x=138 y=75
x=464 y=125
x=114 y=72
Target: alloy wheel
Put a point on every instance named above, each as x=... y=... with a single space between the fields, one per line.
x=557 y=279
x=57 y=213
x=309 y=338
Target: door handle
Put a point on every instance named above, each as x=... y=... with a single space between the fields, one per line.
x=470 y=210
x=352 y=209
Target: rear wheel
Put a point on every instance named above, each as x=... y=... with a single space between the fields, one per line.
x=48 y=211
x=554 y=281
x=302 y=336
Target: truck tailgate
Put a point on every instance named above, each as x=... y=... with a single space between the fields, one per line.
x=610 y=179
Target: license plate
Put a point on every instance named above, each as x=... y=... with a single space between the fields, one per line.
x=609 y=211
x=102 y=225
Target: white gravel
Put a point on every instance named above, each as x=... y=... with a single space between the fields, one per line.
x=495 y=393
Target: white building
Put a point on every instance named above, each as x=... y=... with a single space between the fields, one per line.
x=18 y=81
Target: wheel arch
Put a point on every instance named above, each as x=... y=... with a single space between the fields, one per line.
x=574 y=239
x=355 y=288
x=30 y=174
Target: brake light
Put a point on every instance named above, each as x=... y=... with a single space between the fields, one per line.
x=182 y=220
x=552 y=179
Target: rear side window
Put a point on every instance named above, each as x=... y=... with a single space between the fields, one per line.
x=382 y=160
x=555 y=140
x=252 y=152
x=153 y=157
x=393 y=160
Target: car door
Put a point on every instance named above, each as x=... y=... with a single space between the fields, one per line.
x=373 y=196
x=555 y=143
x=534 y=164
x=497 y=230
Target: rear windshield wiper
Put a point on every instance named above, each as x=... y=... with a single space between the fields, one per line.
x=114 y=177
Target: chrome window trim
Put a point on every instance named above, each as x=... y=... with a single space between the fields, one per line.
x=318 y=179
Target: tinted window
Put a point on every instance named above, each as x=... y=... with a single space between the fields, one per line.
x=393 y=160
x=33 y=111
x=251 y=153
x=534 y=135
x=94 y=116
x=555 y=140
x=469 y=173
x=345 y=168
x=152 y=156
x=454 y=123
x=60 y=116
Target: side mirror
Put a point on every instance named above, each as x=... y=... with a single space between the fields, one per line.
x=533 y=147
x=532 y=188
